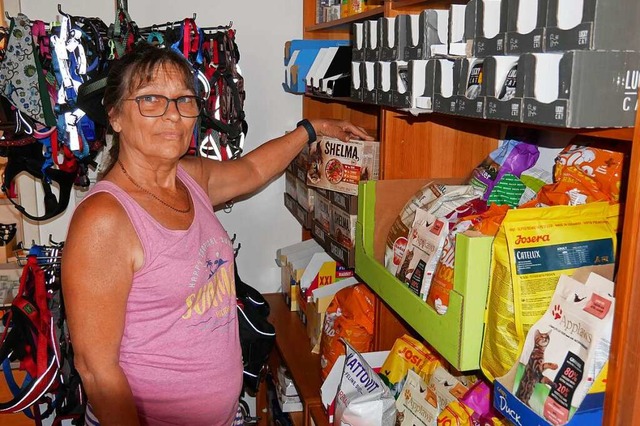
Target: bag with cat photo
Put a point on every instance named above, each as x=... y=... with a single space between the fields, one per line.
x=566 y=349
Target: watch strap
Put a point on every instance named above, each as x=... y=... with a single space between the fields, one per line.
x=311 y=132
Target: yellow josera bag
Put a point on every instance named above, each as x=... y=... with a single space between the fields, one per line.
x=533 y=247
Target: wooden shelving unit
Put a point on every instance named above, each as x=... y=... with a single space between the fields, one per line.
x=293 y=350
x=369 y=14
x=437 y=146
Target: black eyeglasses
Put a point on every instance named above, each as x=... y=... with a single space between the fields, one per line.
x=188 y=106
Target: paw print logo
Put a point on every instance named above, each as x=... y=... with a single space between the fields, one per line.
x=557 y=312
x=407 y=394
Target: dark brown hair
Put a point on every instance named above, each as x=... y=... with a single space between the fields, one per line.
x=133 y=71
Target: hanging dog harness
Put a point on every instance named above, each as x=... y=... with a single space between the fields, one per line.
x=29 y=338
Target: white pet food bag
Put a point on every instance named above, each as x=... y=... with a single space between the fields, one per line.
x=362 y=398
x=565 y=350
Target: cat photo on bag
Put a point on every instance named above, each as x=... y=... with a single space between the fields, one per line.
x=566 y=349
x=536 y=368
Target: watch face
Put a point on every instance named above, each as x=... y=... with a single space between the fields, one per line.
x=475 y=81
x=508 y=90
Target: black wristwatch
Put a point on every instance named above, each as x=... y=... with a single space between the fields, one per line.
x=310 y=130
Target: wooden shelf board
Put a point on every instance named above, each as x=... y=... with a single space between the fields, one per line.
x=318 y=415
x=375 y=12
x=406 y=3
x=297 y=418
x=624 y=134
x=293 y=345
x=423 y=4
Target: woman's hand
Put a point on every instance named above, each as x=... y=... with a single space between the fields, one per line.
x=339 y=129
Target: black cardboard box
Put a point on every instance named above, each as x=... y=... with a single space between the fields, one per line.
x=504 y=88
x=491 y=27
x=383 y=83
x=601 y=25
x=425 y=34
x=369 y=89
x=371 y=48
x=470 y=97
x=447 y=78
x=359 y=37
x=581 y=88
x=391 y=39
x=357 y=80
x=424 y=97
x=526 y=22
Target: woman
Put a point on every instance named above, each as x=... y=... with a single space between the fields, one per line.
x=147 y=267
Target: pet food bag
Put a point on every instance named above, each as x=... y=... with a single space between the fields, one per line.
x=532 y=249
x=478 y=399
x=565 y=350
x=592 y=165
x=582 y=174
x=447 y=387
x=510 y=158
x=362 y=398
x=417 y=404
x=456 y=413
x=407 y=354
x=442 y=283
x=423 y=199
x=349 y=317
x=424 y=248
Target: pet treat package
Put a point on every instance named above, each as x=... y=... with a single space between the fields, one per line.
x=573 y=190
x=478 y=399
x=510 y=158
x=339 y=166
x=534 y=179
x=424 y=248
x=456 y=413
x=442 y=282
x=424 y=199
x=407 y=354
x=349 y=317
x=582 y=174
x=447 y=387
x=594 y=166
x=533 y=247
x=417 y=404
x=566 y=349
x=362 y=398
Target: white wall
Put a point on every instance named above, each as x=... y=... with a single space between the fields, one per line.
x=262 y=223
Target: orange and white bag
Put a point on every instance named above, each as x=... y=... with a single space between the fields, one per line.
x=350 y=317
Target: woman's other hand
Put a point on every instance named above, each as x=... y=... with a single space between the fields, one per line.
x=339 y=129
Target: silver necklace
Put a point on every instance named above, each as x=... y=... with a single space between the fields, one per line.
x=187 y=210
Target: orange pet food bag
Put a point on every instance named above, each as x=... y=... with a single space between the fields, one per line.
x=349 y=316
x=591 y=166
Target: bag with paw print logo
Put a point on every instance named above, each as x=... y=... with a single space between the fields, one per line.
x=566 y=349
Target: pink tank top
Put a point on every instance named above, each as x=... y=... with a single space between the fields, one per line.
x=180 y=349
